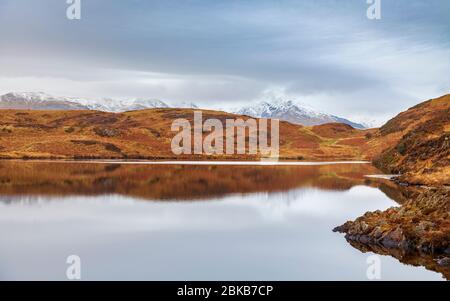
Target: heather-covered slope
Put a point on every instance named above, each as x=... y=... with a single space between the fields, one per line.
x=415 y=143
x=146 y=134
x=418 y=148
x=421 y=152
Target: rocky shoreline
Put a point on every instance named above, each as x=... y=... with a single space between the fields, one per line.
x=419 y=150
x=421 y=225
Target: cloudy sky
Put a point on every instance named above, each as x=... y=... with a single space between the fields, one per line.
x=220 y=54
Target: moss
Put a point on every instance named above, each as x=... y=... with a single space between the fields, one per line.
x=401 y=148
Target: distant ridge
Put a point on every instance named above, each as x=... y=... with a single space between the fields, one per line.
x=286 y=110
x=38 y=101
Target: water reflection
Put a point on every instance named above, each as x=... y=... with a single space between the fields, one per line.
x=179 y=182
x=226 y=223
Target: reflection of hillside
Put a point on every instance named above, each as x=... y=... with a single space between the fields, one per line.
x=428 y=261
x=159 y=182
x=400 y=194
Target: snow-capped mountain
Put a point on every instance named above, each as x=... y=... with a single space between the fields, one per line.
x=370 y=123
x=184 y=105
x=43 y=101
x=122 y=105
x=293 y=112
x=279 y=108
x=38 y=100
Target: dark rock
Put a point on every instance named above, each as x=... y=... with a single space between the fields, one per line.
x=106 y=132
x=443 y=261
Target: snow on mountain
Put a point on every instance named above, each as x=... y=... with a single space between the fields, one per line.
x=121 y=105
x=291 y=111
x=370 y=123
x=184 y=105
x=37 y=100
x=43 y=101
x=277 y=107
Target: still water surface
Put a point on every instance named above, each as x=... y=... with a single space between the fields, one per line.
x=189 y=222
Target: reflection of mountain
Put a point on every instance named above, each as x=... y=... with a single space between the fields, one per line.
x=182 y=182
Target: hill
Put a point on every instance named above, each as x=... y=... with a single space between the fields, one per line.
x=420 y=143
x=415 y=143
x=146 y=134
x=417 y=146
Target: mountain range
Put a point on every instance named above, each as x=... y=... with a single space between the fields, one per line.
x=286 y=110
x=290 y=111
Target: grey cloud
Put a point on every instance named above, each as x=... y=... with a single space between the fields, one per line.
x=326 y=52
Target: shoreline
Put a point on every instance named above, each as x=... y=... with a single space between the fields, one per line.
x=421 y=224
x=268 y=162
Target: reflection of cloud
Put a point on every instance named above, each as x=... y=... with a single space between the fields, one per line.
x=250 y=237
x=236 y=211
x=316 y=202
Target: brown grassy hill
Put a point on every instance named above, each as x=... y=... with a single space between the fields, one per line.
x=418 y=143
x=146 y=134
x=414 y=143
x=334 y=130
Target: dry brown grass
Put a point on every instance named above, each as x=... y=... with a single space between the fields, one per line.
x=415 y=142
x=418 y=143
x=145 y=134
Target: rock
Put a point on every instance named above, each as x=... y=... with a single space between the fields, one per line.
x=443 y=261
x=364 y=226
x=422 y=224
x=377 y=232
x=106 y=132
x=393 y=239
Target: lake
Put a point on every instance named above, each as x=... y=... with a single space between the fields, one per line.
x=171 y=221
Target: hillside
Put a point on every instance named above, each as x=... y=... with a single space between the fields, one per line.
x=146 y=134
x=419 y=147
x=415 y=143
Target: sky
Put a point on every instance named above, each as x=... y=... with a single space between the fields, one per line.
x=220 y=54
